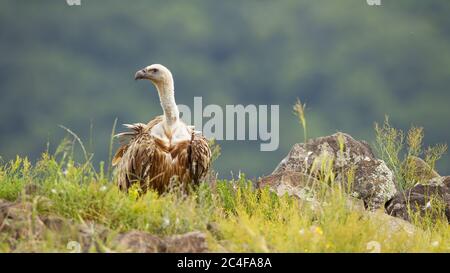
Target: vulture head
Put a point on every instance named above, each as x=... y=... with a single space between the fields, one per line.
x=158 y=74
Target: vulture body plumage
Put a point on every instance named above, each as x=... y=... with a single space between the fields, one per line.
x=164 y=150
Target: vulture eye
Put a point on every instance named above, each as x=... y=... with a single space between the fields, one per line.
x=154 y=70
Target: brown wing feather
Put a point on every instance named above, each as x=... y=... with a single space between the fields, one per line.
x=119 y=154
x=200 y=157
x=128 y=137
x=138 y=147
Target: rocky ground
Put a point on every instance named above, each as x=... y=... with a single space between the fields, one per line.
x=18 y=220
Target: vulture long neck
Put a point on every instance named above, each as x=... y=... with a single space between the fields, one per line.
x=167 y=98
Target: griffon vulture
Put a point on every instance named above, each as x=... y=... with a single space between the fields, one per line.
x=165 y=149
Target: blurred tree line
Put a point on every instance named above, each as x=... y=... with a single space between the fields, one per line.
x=350 y=62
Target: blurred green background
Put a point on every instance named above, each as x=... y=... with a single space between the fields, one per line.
x=351 y=63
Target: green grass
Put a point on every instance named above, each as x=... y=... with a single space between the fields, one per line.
x=396 y=147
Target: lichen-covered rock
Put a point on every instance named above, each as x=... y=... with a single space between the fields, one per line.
x=143 y=242
x=303 y=187
x=374 y=183
x=19 y=221
x=418 y=171
x=432 y=198
x=341 y=158
x=292 y=183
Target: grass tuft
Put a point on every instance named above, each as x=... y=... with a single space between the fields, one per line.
x=398 y=150
x=299 y=111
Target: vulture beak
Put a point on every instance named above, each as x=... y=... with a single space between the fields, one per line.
x=140 y=75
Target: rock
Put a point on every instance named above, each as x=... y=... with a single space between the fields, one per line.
x=192 y=242
x=303 y=187
x=373 y=181
x=141 y=242
x=4 y=205
x=19 y=221
x=419 y=171
x=55 y=223
x=91 y=234
x=430 y=198
x=391 y=224
x=138 y=241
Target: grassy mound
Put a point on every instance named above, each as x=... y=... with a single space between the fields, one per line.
x=234 y=216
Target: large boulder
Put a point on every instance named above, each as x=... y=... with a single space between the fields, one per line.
x=339 y=158
x=432 y=198
x=303 y=187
